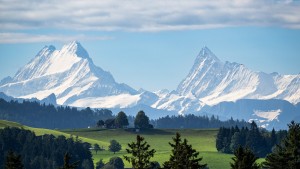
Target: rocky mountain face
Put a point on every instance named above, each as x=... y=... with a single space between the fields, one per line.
x=69 y=77
x=214 y=81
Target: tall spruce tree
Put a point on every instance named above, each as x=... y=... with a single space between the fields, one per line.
x=183 y=156
x=67 y=164
x=255 y=141
x=140 y=154
x=287 y=153
x=244 y=159
x=273 y=138
x=236 y=141
x=220 y=137
x=13 y=161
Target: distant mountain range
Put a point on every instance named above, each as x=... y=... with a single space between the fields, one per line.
x=69 y=77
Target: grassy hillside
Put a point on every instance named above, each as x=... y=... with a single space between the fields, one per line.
x=202 y=140
x=41 y=131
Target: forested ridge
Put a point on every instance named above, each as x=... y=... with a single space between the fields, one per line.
x=44 y=151
x=193 y=121
x=64 y=117
x=39 y=115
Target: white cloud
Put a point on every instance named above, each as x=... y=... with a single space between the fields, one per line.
x=32 y=38
x=146 y=15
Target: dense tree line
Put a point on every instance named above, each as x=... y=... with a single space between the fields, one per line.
x=48 y=116
x=285 y=154
x=45 y=151
x=141 y=121
x=193 y=121
x=259 y=141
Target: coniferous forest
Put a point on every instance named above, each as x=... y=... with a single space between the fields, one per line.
x=45 y=151
x=259 y=141
x=246 y=141
x=39 y=115
x=64 y=117
x=193 y=121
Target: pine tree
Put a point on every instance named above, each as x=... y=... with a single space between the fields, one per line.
x=277 y=159
x=140 y=152
x=256 y=142
x=13 y=161
x=220 y=137
x=183 y=156
x=244 y=159
x=273 y=139
x=286 y=154
x=67 y=164
x=236 y=141
x=227 y=141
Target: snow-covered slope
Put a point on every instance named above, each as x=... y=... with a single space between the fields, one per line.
x=267 y=113
x=68 y=73
x=213 y=81
x=69 y=77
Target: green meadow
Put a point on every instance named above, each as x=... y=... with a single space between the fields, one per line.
x=203 y=140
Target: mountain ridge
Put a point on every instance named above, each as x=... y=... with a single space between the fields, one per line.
x=214 y=81
x=63 y=73
x=70 y=77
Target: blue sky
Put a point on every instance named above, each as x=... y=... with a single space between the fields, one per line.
x=152 y=44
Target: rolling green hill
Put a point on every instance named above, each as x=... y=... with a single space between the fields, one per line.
x=202 y=140
x=41 y=131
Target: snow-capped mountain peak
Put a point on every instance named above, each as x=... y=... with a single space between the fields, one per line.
x=69 y=76
x=69 y=73
x=213 y=81
x=51 y=61
x=206 y=66
x=206 y=53
x=75 y=48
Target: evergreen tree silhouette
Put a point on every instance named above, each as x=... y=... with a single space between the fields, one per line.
x=67 y=164
x=183 y=156
x=141 y=154
x=13 y=161
x=244 y=159
x=287 y=153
